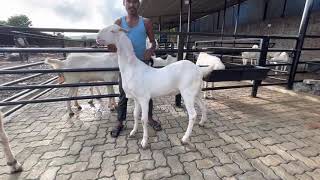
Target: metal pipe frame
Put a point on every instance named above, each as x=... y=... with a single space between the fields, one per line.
x=299 y=45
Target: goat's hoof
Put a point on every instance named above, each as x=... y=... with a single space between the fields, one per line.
x=90 y=102
x=71 y=114
x=79 y=108
x=201 y=124
x=184 y=140
x=132 y=134
x=144 y=144
x=16 y=169
x=112 y=109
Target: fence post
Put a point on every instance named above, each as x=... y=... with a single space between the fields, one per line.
x=264 y=45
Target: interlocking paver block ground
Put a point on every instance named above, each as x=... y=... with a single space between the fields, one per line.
x=244 y=138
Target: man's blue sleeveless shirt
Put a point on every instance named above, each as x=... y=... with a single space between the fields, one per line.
x=137 y=35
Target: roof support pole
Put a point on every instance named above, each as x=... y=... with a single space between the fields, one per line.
x=189 y=23
x=266 y=4
x=299 y=45
x=224 y=18
x=284 y=8
x=180 y=49
x=237 y=19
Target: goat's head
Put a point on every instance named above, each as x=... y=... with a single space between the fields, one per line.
x=108 y=34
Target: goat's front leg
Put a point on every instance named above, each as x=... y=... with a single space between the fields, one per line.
x=244 y=61
x=136 y=113
x=14 y=165
x=144 y=118
x=70 y=94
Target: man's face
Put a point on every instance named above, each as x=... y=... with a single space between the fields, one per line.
x=132 y=6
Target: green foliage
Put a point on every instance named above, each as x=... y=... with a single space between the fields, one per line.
x=19 y=21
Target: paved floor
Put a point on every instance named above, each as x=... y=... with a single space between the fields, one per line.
x=245 y=138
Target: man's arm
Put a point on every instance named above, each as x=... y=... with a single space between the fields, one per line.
x=149 y=30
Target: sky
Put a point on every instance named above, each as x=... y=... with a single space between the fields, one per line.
x=89 y=14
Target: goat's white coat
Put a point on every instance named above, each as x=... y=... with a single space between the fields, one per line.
x=205 y=59
x=252 y=56
x=142 y=82
x=105 y=60
x=282 y=57
x=14 y=165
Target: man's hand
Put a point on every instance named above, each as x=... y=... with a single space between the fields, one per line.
x=148 y=53
x=112 y=48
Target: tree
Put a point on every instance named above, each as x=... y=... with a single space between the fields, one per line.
x=19 y=20
x=3 y=22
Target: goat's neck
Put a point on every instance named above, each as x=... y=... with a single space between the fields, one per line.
x=126 y=56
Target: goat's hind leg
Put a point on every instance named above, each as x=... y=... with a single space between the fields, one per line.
x=136 y=113
x=76 y=103
x=14 y=165
x=91 y=100
x=189 y=102
x=71 y=93
x=203 y=108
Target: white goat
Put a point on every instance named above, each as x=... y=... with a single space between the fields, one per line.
x=142 y=82
x=14 y=165
x=87 y=61
x=205 y=59
x=253 y=56
x=282 y=57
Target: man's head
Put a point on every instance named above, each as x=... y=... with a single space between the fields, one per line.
x=131 y=6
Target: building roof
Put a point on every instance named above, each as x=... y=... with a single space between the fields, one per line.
x=169 y=10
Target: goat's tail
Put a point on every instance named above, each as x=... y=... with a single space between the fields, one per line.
x=55 y=63
x=207 y=70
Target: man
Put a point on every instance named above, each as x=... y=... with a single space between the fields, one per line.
x=139 y=28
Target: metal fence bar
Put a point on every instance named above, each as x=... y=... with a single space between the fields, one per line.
x=22 y=66
x=22 y=105
x=57 y=86
x=240 y=86
x=21 y=80
x=27 y=91
x=102 y=50
x=57 y=99
x=56 y=70
x=156 y=32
